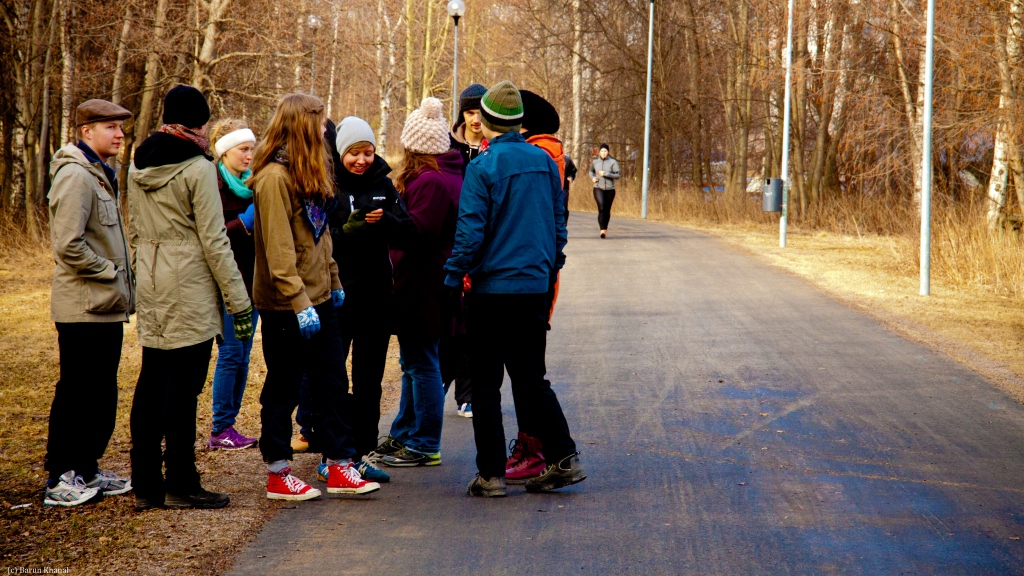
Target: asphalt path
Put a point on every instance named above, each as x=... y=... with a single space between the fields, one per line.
x=732 y=420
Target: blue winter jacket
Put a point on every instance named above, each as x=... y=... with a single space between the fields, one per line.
x=511 y=229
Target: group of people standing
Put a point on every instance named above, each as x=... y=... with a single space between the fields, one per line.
x=304 y=234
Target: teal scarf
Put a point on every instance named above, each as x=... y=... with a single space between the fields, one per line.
x=236 y=184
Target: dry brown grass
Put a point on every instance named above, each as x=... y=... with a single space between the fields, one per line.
x=866 y=254
x=109 y=537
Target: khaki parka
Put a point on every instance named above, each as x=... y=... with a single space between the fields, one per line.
x=181 y=254
x=91 y=279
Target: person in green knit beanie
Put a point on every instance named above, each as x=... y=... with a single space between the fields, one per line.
x=510 y=239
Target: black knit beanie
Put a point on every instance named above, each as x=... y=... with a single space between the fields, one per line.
x=186 y=106
x=539 y=116
x=469 y=100
x=605 y=147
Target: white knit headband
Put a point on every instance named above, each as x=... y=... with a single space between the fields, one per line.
x=232 y=139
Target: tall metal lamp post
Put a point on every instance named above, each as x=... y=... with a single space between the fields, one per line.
x=647 y=116
x=456 y=8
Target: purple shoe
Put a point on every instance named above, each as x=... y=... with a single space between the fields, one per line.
x=229 y=439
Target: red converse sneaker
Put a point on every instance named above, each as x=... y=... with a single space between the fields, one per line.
x=530 y=463
x=284 y=486
x=345 y=479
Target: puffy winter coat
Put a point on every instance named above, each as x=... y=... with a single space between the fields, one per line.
x=181 y=253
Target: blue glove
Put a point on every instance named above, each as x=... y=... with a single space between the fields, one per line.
x=309 y=322
x=337 y=297
x=248 y=218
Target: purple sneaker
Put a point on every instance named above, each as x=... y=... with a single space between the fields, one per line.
x=229 y=439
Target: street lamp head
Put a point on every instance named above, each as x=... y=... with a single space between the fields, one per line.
x=456 y=9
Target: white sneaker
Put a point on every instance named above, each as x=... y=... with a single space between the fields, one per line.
x=110 y=483
x=466 y=410
x=69 y=491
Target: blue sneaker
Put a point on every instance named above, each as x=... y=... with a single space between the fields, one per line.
x=465 y=410
x=371 y=472
x=321 y=470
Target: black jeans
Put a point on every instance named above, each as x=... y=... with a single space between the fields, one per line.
x=364 y=328
x=604 y=199
x=164 y=409
x=509 y=331
x=454 y=354
x=84 y=405
x=288 y=356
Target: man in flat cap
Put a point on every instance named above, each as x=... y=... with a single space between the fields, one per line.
x=92 y=297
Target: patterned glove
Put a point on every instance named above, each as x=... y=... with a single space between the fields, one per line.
x=243 y=324
x=309 y=322
x=337 y=297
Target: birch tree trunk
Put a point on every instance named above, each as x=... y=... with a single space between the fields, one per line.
x=122 y=56
x=386 y=73
x=143 y=123
x=43 y=156
x=201 y=71
x=410 y=87
x=911 y=104
x=67 y=74
x=334 y=60
x=1005 y=153
x=577 y=82
x=425 y=79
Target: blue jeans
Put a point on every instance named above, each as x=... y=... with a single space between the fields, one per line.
x=231 y=374
x=421 y=408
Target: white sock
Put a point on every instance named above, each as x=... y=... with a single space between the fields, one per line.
x=277 y=466
x=341 y=461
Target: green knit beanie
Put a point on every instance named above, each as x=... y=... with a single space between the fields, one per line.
x=501 y=108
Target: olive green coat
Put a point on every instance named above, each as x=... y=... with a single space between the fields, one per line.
x=91 y=279
x=181 y=254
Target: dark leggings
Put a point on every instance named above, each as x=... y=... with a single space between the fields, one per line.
x=604 y=199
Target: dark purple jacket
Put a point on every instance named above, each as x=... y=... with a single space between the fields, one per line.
x=425 y=244
x=242 y=243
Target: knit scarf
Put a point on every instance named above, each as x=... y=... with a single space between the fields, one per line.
x=316 y=212
x=186 y=134
x=235 y=183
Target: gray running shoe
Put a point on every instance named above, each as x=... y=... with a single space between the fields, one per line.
x=387 y=447
x=70 y=491
x=568 y=471
x=487 y=487
x=110 y=484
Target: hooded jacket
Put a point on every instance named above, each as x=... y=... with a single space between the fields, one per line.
x=511 y=233
x=421 y=249
x=180 y=248
x=293 y=270
x=364 y=264
x=91 y=278
x=551 y=145
x=610 y=167
x=458 y=138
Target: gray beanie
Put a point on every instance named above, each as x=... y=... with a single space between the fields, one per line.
x=351 y=131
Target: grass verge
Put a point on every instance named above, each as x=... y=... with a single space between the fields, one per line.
x=110 y=537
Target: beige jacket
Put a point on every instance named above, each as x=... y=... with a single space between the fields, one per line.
x=91 y=279
x=292 y=271
x=181 y=254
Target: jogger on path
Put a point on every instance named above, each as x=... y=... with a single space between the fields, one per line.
x=604 y=171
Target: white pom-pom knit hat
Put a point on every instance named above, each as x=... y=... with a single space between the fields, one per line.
x=426 y=129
